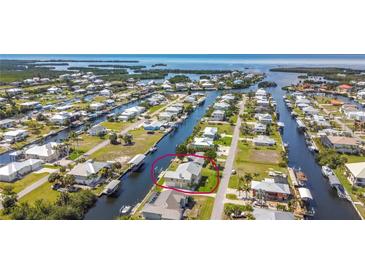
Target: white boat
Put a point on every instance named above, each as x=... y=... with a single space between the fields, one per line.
x=326 y=171
x=124 y=210
x=153 y=149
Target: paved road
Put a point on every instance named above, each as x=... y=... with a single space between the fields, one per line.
x=32 y=187
x=222 y=189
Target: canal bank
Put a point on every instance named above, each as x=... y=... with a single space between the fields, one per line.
x=135 y=186
x=326 y=203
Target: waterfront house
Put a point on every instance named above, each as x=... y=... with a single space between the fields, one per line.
x=227 y=98
x=320 y=121
x=221 y=106
x=47 y=153
x=341 y=144
x=105 y=92
x=356 y=115
x=87 y=173
x=97 y=130
x=131 y=113
x=31 y=105
x=54 y=90
x=202 y=143
x=60 y=118
x=97 y=106
x=15 y=135
x=16 y=170
x=270 y=189
x=210 y=132
x=260 y=128
x=310 y=110
x=271 y=214
x=166 y=116
x=185 y=176
x=14 y=91
x=260 y=92
x=155 y=125
x=174 y=109
x=344 y=88
x=7 y=123
x=169 y=205
x=262 y=140
x=217 y=115
x=356 y=173
x=262 y=102
x=264 y=118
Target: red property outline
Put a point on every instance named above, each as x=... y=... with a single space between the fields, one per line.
x=154 y=180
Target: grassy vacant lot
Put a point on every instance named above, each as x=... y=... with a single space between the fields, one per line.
x=257 y=162
x=44 y=192
x=222 y=128
x=116 y=126
x=85 y=142
x=142 y=142
x=202 y=209
x=155 y=108
x=25 y=181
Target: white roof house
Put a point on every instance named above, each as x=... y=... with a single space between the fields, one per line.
x=16 y=170
x=87 y=173
x=60 y=118
x=105 y=92
x=263 y=140
x=217 y=115
x=260 y=128
x=356 y=172
x=202 y=143
x=15 y=135
x=54 y=89
x=260 y=92
x=221 y=106
x=166 y=116
x=210 y=132
x=264 y=118
x=47 y=152
x=97 y=106
x=184 y=176
x=96 y=130
x=269 y=185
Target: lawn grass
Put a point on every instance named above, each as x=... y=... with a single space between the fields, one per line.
x=85 y=142
x=44 y=192
x=155 y=108
x=116 y=126
x=222 y=128
x=203 y=206
x=209 y=177
x=142 y=142
x=231 y=196
x=25 y=181
x=224 y=141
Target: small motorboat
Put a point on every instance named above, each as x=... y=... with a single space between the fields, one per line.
x=326 y=171
x=124 y=210
x=153 y=149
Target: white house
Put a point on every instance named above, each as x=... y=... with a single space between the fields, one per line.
x=260 y=92
x=6 y=123
x=210 y=132
x=47 y=152
x=260 y=128
x=310 y=110
x=31 y=105
x=221 y=106
x=60 y=118
x=97 y=106
x=16 y=170
x=356 y=173
x=97 y=130
x=202 y=143
x=15 y=135
x=264 y=118
x=166 y=116
x=105 y=92
x=185 y=176
x=87 y=173
x=263 y=140
x=218 y=115
x=54 y=89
